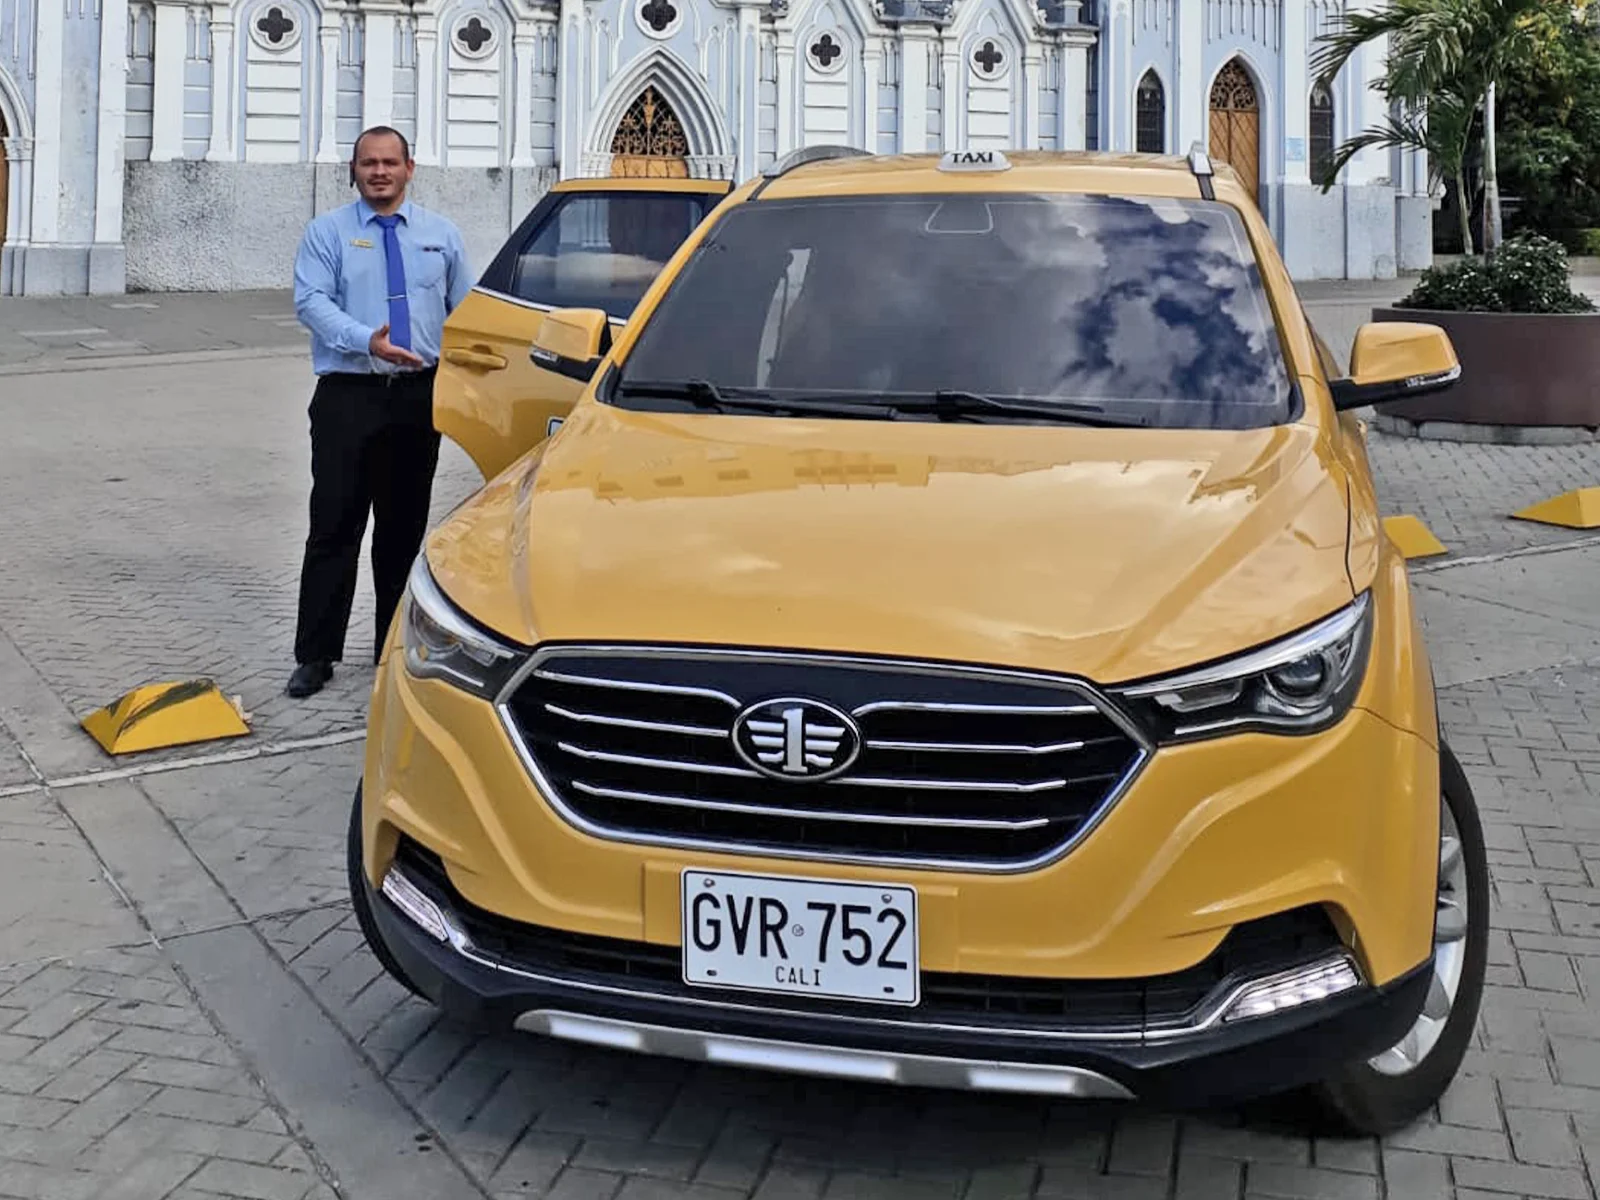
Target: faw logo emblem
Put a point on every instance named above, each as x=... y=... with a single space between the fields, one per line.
x=803 y=740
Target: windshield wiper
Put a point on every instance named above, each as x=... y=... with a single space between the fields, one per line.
x=949 y=405
x=702 y=393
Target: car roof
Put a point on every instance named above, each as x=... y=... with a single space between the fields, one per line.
x=1030 y=171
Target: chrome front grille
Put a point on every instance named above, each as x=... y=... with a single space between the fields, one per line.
x=957 y=768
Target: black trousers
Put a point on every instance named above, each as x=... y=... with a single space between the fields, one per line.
x=373 y=448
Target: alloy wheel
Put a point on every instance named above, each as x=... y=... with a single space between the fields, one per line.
x=1449 y=956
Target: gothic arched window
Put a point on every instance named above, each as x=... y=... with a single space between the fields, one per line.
x=1150 y=116
x=1321 y=134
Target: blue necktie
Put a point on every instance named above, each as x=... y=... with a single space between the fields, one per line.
x=399 y=306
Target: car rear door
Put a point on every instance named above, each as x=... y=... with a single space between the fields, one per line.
x=589 y=243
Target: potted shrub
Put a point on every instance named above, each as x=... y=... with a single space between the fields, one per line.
x=1529 y=345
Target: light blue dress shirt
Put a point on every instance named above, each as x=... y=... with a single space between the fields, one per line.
x=341 y=284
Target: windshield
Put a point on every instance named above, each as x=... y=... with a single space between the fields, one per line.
x=1148 y=308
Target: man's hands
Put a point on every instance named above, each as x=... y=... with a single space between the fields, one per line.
x=381 y=347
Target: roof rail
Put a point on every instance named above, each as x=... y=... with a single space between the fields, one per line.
x=810 y=154
x=1200 y=167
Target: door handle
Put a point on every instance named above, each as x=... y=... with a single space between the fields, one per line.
x=481 y=359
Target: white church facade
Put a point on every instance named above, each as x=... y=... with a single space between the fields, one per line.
x=183 y=144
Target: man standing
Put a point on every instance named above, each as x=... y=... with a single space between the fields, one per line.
x=373 y=282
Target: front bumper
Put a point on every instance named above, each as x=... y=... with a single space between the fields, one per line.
x=1202 y=1061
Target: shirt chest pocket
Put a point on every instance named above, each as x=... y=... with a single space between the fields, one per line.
x=425 y=269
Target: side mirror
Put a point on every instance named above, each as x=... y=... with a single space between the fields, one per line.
x=572 y=341
x=1396 y=360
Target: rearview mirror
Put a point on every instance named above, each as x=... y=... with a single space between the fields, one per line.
x=572 y=341
x=1396 y=360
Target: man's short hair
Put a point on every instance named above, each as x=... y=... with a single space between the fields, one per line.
x=377 y=131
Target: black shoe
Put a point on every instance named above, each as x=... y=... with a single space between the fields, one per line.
x=308 y=679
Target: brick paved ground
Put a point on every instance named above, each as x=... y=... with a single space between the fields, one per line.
x=186 y=1009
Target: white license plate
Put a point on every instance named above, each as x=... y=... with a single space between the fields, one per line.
x=801 y=937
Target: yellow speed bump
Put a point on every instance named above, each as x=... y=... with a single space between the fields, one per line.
x=166 y=714
x=1578 y=509
x=1414 y=538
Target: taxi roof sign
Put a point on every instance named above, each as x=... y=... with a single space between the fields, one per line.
x=974 y=160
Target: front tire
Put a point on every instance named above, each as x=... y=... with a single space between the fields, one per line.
x=360 y=898
x=1389 y=1091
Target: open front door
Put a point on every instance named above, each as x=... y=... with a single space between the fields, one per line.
x=590 y=243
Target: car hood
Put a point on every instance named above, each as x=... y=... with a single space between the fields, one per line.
x=1107 y=553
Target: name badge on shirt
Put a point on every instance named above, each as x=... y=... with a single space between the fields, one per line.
x=361 y=242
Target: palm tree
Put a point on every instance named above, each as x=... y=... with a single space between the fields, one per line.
x=1447 y=53
x=1443 y=132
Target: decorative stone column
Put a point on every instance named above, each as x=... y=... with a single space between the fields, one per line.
x=746 y=123
x=223 y=84
x=1189 y=94
x=330 y=35
x=377 y=72
x=571 y=111
x=1032 y=102
x=1074 y=117
x=170 y=68
x=523 y=42
x=954 y=106
x=871 y=79
x=1295 y=98
x=112 y=123
x=786 y=139
x=426 y=151
x=916 y=51
x=19 y=215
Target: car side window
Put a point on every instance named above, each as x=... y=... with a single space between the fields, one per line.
x=602 y=250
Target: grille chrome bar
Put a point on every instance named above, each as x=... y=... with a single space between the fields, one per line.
x=1015 y=710
x=812 y=814
x=634 y=723
x=953 y=785
x=932 y=785
x=659 y=764
x=971 y=747
x=634 y=685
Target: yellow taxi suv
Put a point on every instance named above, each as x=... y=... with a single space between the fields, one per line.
x=950 y=641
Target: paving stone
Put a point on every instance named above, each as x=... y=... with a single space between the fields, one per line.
x=784 y=1182
x=1353 y=1155
x=258 y=1183
x=579 y=1184
x=1002 y=1183
x=1549 y=1182
x=659 y=1189
x=1083 y=1185
x=96 y=1127
x=1308 y=1183
x=1409 y=1175
x=1542 y=1139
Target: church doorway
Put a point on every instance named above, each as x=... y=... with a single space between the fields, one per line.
x=650 y=142
x=1236 y=125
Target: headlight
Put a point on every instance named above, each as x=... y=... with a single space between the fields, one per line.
x=1302 y=684
x=441 y=642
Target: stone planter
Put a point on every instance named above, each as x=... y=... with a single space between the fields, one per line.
x=1524 y=378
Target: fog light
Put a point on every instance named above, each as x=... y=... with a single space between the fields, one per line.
x=415 y=905
x=1293 y=988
